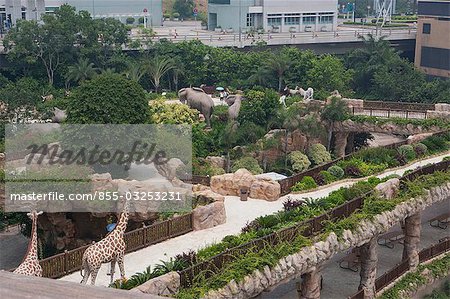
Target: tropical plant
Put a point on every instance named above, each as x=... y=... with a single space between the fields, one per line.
x=81 y=71
x=157 y=67
x=299 y=161
x=336 y=171
x=135 y=71
x=278 y=65
x=407 y=151
x=336 y=110
x=306 y=183
x=249 y=163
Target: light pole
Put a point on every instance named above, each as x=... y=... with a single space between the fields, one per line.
x=368 y=11
x=240 y=20
x=93 y=9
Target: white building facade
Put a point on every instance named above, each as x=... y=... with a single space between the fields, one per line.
x=13 y=10
x=273 y=15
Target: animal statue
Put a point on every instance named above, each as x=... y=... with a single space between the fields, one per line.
x=47 y=98
x=30 y=265
x=234 y=102
x=307 y=94
x=59 y=115
x=109 y=249
x=292 y=92
x=197 y=99
x=334 y=94
x=283 y=100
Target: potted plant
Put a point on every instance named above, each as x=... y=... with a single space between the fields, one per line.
x=218 y=29
x=130 y=20
x=204 y=25
x=141 y=20
x=166 y=16
x=176 y=16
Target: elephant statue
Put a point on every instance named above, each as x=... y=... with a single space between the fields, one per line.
x=197 y=99
x=59 y=115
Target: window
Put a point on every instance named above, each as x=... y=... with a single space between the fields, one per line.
x=426 y=28
x=292 y=20
x=226 y=2
x=250 y=20
x=274 y=15
x=274 y=22
x=326 y=20
x=309 y=20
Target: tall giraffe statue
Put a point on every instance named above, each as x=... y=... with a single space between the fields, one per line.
x=30 y=264
x=109 y=249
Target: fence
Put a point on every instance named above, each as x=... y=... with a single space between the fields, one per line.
x=306 y=228
x=388 y=113
x=70 y=261
x=397 y=106
x=388 y=277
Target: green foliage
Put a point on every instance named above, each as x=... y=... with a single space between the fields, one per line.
x=407 y=151
x=108 y=99
x=163 y=113
x=307 y=183
x=437 y=144
x=260 y=107
x=299 y=161
x=318 y=154
x=420 y=149
x=336 y=171
x=327 y=74
x=183 y=8
x=326 y=177
x=249 y=163
x=378 y=155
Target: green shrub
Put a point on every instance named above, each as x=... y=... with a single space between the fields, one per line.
x=436 y=144
x=378 y=155
x=323 y=178
x=249 y=163
x=318 y=154
x=336 y=171
x=299 y=161
x=407 y=151
x=163 y=113
x=306 y=183
x=420 y=149
x=446 y=158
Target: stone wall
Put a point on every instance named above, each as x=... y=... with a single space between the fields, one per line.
x=164 y=285
x=309 y=257
x=388 y=128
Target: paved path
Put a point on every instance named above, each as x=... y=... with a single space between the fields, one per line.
x=238 y=214
x=13 y=246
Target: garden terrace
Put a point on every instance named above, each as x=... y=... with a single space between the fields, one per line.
x=411 y=200
x=283 y=230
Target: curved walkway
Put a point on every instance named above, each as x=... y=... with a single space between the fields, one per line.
x=238 y=214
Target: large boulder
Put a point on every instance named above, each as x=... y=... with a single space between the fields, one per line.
x=418 y=137
x=438 y=114
x=389 y=189
x=231 y=183
x=102 y=182
x=216 y=161
x=265 y=189
x=169 y=169
x=208 y=216
x=164 y=285
x=442 y=107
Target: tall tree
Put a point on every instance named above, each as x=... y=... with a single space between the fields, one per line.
x=157 y=67
x=184 y=7
x=278 y=64
x=336 y=110
x=135 y=71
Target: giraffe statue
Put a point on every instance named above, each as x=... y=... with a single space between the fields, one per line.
x=109 y=249
x=30 y=264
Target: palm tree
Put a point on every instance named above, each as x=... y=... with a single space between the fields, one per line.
x=135 y=71
x=108 y=71
x=81 y=71
x=336 y=110
x=157 y=68
x=177 y=71
x=278 y=64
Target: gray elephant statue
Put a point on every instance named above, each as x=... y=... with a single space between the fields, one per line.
x=197 y=99
x=59 y=115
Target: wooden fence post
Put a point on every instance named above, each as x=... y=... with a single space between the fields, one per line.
x=66 y=262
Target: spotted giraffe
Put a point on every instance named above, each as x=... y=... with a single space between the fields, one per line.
x=30 y=264
x=109 y=249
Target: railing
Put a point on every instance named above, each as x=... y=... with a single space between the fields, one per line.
x=70 y=261
x=397 y=106
x=388 y=113
x=306 y=228
x=403 y=267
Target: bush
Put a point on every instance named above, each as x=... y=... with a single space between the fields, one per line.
x=353 y=171
x=260 y=107
x=435 y=144
x=306 y=183
x=327 y=176
x=378 y=155
x=162 y=113
x=249 y=163
x=420 y=149
x=336 y=171
x=176 y=15
x=130 y=20
x=108 y=99
x=318 y=154
x=407 y=151
x=299 y=161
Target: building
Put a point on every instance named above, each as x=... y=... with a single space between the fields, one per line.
x=12 y=10
x=433 y=38
x=273 y=15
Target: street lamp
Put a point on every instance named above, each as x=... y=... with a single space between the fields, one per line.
x=368 y=10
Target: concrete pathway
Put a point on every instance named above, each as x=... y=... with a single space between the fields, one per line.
x=13 y=246
x=238 y=214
